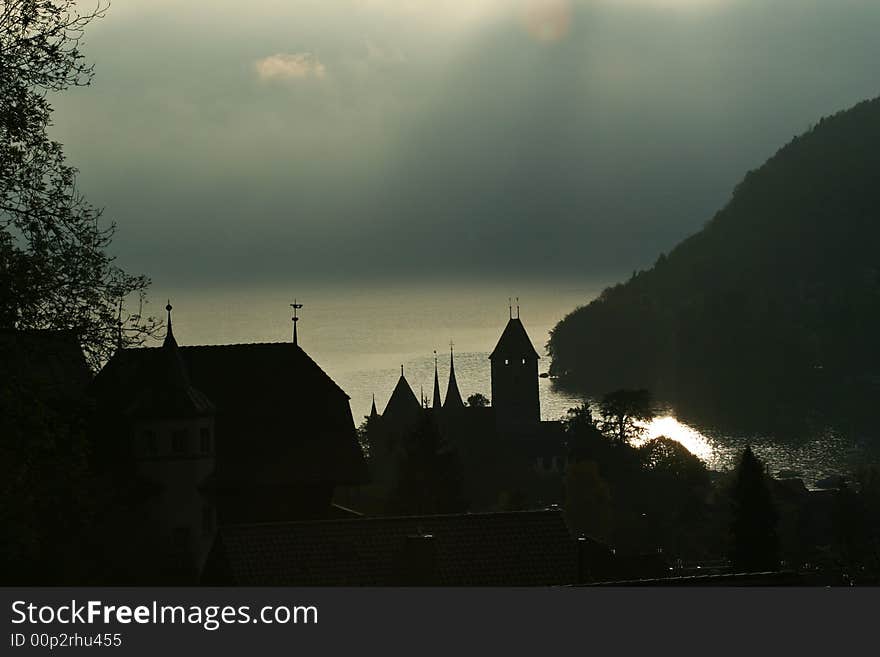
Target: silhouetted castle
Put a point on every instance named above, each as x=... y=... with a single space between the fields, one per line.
x=223 y=434
x=507 y=437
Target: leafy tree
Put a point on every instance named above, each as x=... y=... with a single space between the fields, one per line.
x=364 y=438
x=46 y=501
x=55 y=271
x=622 y=412
x=587 y=501
x=477 y=400
x=754 y=544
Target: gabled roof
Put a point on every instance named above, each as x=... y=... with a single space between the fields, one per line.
x=280 y=419
x=525 y=548
x=514 y=341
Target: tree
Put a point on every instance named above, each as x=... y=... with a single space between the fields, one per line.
x=754 y=545
x=429 y=477
x=55 y=271
x=587 y=501
x=477 y=400
x=364 y=438
x=623 y=411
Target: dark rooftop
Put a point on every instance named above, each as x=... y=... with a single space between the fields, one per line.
x=514 y=341
x=525 y=548
x=280 y=418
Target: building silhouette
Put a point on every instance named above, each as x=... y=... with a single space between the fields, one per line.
x=505 y=447
x=223 y=434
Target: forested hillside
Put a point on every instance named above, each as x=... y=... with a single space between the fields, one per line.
x=776 y=299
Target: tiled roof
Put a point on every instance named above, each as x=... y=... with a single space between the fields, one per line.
x=279 y=420
x=514 y=341
x=525 y=548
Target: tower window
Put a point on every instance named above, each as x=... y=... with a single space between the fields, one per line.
x=178 y=441
x=506 y=362
x=205 y=439
x=523 y=361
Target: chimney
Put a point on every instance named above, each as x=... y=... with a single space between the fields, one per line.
x=417 y=561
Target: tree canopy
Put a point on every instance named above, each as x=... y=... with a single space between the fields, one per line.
x=55 y=269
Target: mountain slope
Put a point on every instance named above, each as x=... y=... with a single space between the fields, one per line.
x=776 y=297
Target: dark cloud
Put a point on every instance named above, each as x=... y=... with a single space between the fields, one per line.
x=387 y=143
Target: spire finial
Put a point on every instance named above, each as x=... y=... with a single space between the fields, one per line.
x=517 y=307
x=509 y=308
x=296 y=306
x=169 y=334
x=401 y=369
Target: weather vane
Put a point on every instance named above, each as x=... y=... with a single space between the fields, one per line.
x=296 y=306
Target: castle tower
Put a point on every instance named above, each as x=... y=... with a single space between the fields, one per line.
x=172 y=434
x=515 y=379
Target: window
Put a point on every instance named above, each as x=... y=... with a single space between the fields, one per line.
x=506 y=362
x=178 y=441
x=205 y=439
x=523 y=361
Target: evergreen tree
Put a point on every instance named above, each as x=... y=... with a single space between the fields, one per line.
x=754 y=545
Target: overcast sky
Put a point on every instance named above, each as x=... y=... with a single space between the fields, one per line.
x=362 y=139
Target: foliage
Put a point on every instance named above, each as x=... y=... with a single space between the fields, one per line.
x=46 y=500
x=477 y=400
x=55 y=271
x=363 y=437
x=588 y=508
x=624 y=412
x=429 y=477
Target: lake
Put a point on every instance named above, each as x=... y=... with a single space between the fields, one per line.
x=361 y=335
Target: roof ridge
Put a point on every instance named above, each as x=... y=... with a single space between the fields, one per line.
x=468 y=514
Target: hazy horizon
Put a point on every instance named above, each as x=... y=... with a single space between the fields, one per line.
x=384 y=140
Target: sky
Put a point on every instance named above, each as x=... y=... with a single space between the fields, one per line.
x=245 y=143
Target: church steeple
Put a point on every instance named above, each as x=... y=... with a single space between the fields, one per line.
x=453 y=396
x=437 y=403
x=373 y=413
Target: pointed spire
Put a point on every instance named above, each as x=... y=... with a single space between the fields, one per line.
x=169 y=334
x=373 y=413
x=453 y=396
x=436 y=403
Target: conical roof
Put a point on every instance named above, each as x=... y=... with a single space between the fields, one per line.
x=403 y=400
x=453 y=396
x=514 y=341
x=167 y=392
x=437 y=403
